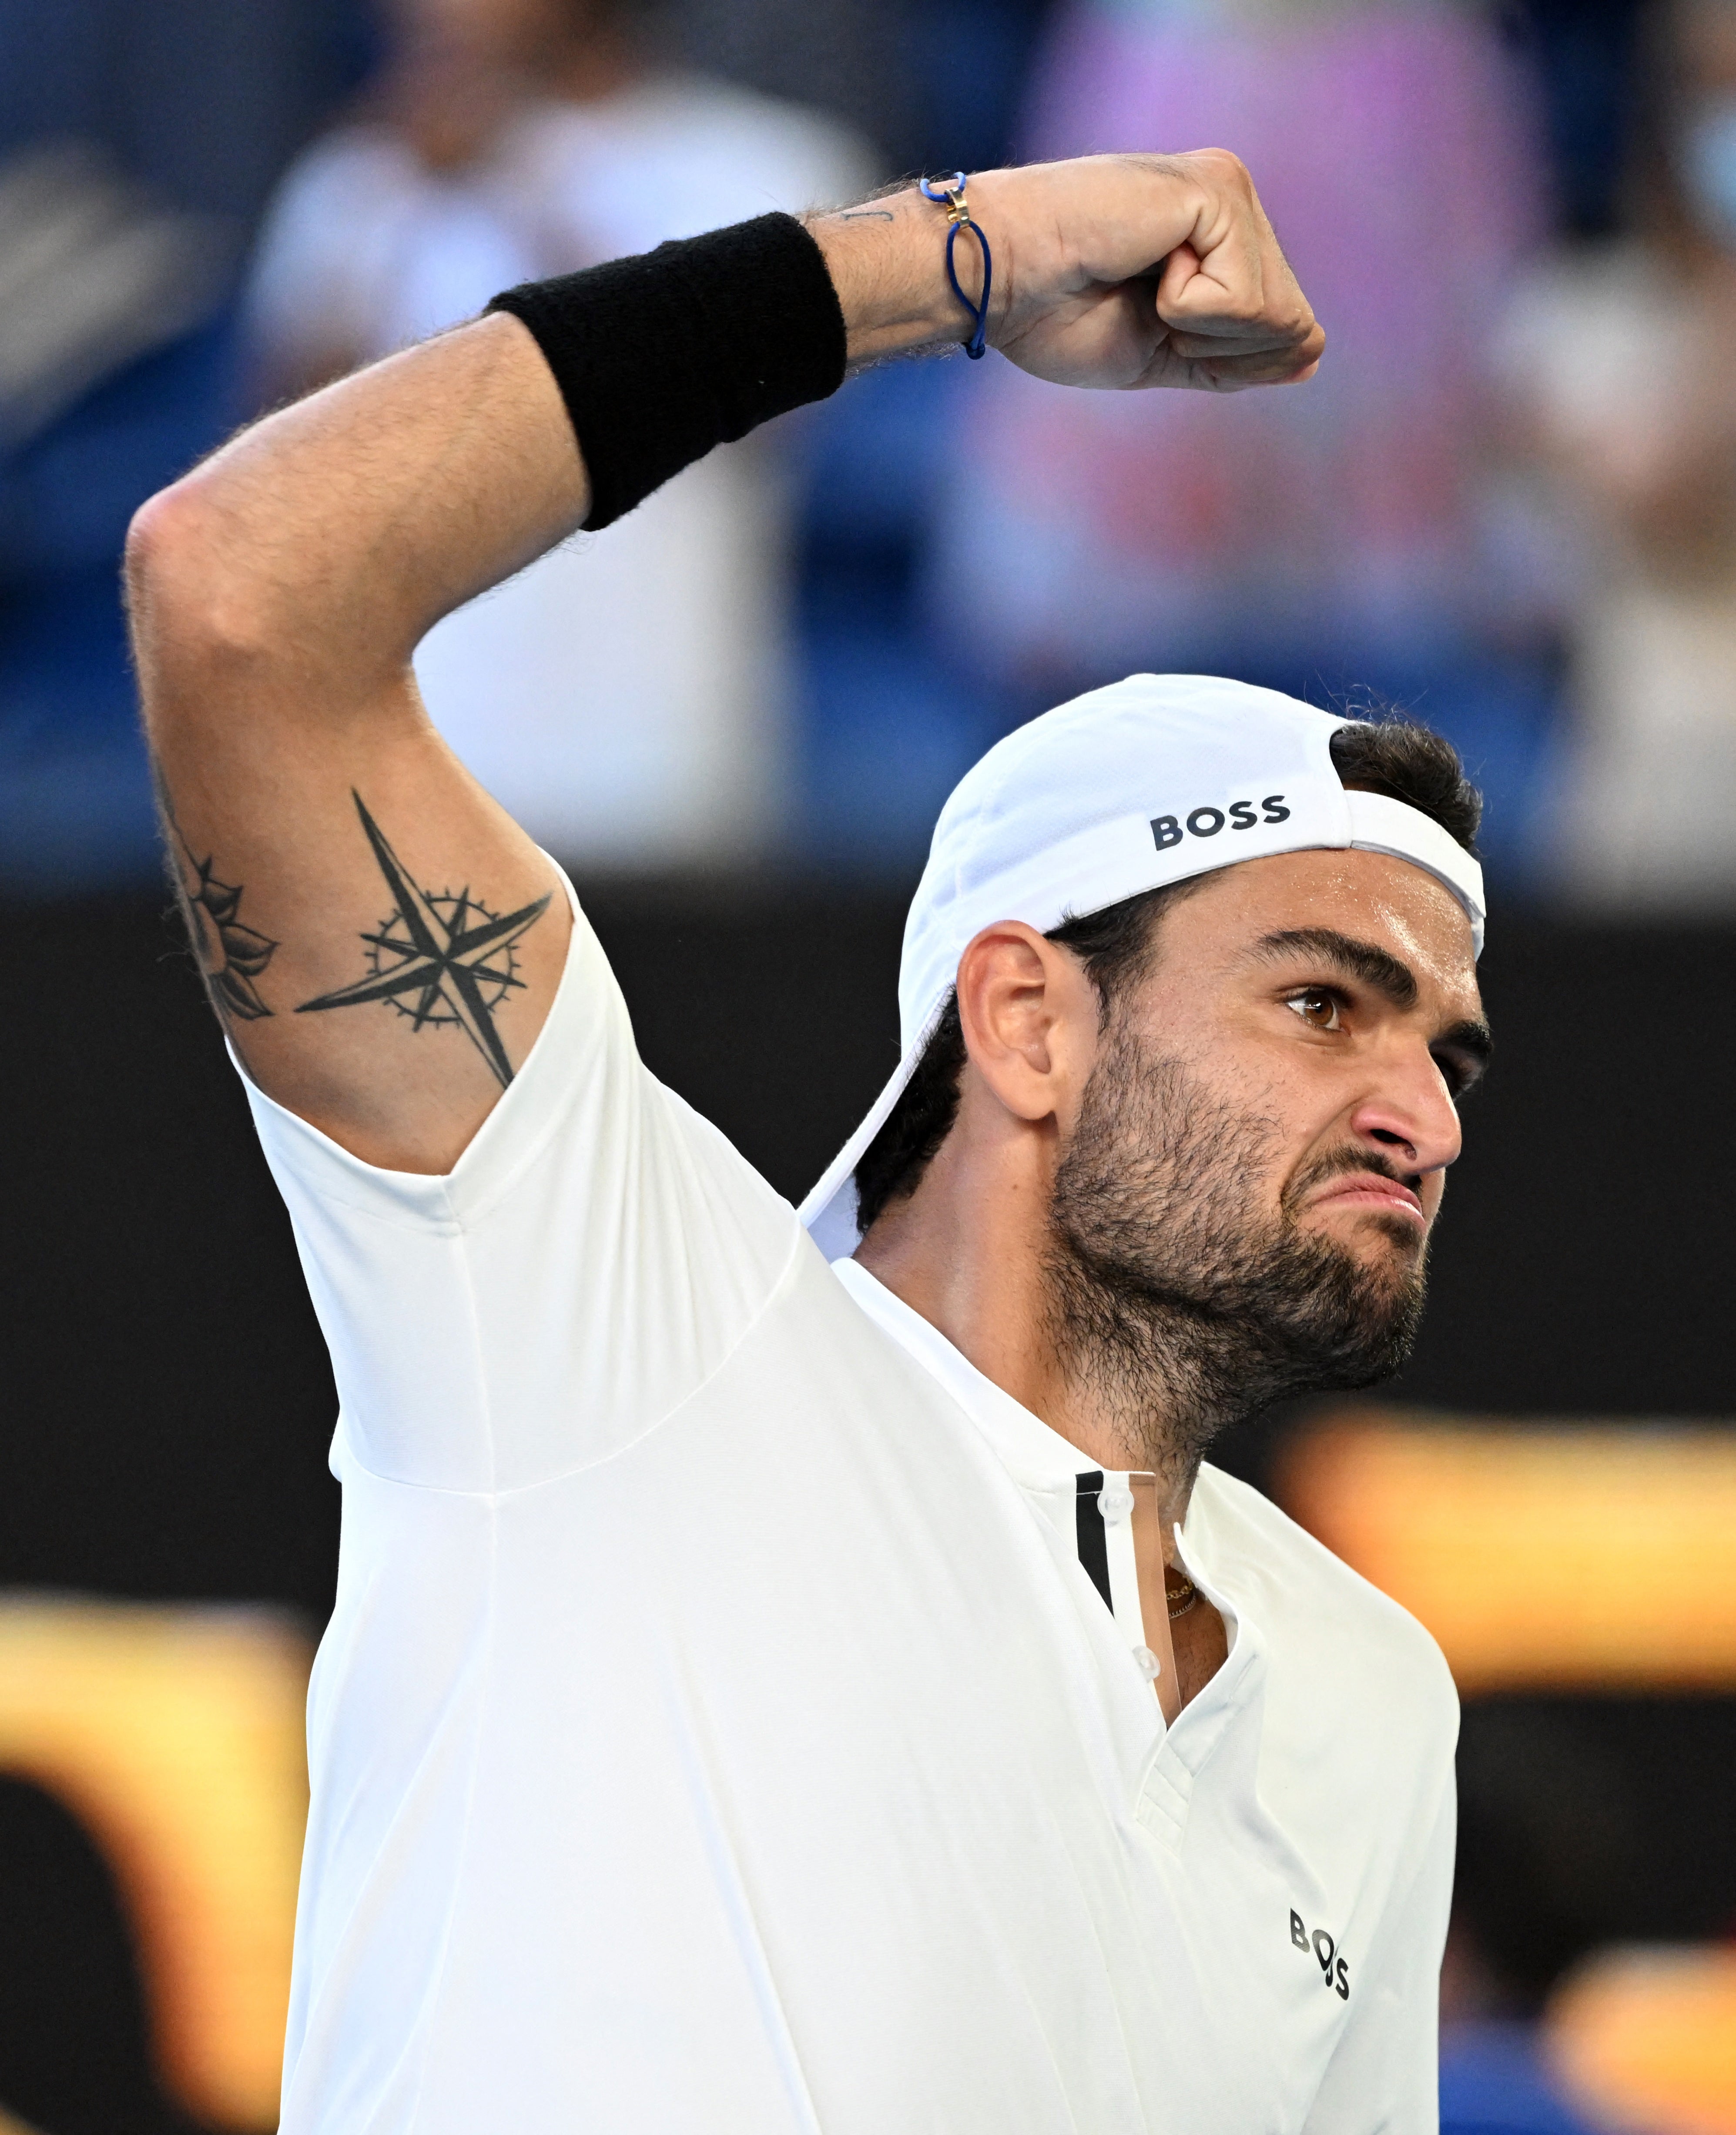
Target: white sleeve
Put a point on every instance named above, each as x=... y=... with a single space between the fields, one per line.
x=1383 y=2078
x=596 y=1253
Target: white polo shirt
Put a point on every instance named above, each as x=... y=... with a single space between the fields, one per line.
x=718 y=1734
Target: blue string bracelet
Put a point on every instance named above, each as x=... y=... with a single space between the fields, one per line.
x=949 y=193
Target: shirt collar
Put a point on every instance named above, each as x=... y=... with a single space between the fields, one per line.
x=1041 y=1460
x=1038 y=1457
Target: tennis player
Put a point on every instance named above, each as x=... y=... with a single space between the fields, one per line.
x=792 y=1671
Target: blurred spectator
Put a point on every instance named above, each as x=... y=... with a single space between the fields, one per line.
x=1347 y=533
x=1619 y=363
x=623 y=697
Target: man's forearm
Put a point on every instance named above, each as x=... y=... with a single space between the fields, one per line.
x=340 y=530
x=321 y=544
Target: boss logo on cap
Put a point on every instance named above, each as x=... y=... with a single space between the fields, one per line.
x=1207 y=822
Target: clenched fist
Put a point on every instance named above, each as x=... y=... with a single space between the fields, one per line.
x=1111 y=271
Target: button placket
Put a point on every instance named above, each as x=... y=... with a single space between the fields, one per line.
x=1132 y=1537
x=1165 y=1794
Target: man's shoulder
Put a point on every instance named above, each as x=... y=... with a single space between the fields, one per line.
x=1323 y=1619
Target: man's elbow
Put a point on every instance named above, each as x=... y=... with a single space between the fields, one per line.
x=194 y=600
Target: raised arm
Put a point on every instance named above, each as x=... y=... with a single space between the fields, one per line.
x=380 y=940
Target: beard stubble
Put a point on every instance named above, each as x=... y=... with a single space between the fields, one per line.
x=1175 y=1297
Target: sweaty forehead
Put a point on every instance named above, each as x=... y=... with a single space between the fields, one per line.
x=1371 y=896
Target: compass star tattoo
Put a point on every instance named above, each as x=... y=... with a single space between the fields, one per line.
x=440 y=958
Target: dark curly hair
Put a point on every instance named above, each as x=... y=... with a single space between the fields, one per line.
x=1388 y=755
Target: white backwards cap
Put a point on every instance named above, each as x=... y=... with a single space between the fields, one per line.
x=1145 y=782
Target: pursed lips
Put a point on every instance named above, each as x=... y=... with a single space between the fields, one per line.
x=1367 y=1190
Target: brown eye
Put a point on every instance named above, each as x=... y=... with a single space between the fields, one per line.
x=1317 y=1009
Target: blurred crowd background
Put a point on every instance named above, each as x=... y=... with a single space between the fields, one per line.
x=1509 y=500
x=1508 y=503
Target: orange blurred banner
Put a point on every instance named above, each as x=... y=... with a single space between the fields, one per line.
x=1581 y=1558
x=1646 y=2038
x=1593 y=1556
x=177 y=1736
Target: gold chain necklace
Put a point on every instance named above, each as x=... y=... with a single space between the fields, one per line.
x=1180 y=1598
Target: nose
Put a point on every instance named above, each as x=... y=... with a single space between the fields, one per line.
x=1409 y=1115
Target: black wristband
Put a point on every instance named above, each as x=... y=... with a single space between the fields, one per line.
x=663 y=355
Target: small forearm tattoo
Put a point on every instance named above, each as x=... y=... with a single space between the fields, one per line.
x=231 y=956
x=441 y=957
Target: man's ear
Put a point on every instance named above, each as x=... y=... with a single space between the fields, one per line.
x=1029 y=1018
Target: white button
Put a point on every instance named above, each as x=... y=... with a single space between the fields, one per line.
x=1150 y=1666
x=1114 y=1503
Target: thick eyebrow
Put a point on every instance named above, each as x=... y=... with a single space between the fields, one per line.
x=1373 y=966
x=1470 y=1039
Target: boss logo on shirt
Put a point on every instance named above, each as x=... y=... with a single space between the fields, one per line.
x=1207 y=822
x=1334 y=1971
